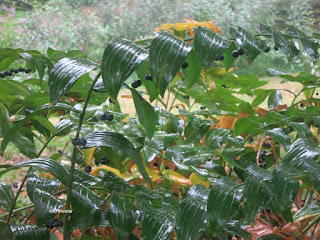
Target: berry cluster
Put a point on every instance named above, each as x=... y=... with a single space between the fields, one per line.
x=136 y=84
x=202 y=107
x=263 y=154
x=103 y=161
x=79 y=142
x=12 y=71
x=266 y=145
x=107 y=116
x=87 y=169
x=220 y=58
x=54 y=223
x=186 y=96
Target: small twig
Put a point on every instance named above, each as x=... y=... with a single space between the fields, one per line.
x=313 y=221
x=265 y=212
x=274 y=151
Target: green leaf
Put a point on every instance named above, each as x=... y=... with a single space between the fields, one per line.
x=223 y=202
x=64 y=127
x=284 y=188
x=5 y=231
x=120 y=59
x=65 y=73
x=45 y=123
x=24 y=232
x=228 y=59
x=279 y=135
x=251 y=45
x=118 y=141
x=192 y=207
x=46 y=206
x=143 y=192
x=309 y=210
x=192 y=73
x=216 y=136
x=85 y=178
x=302 y=129
x=261 y=95
x=124 y=216
x=208 y=45
x=6 y=196
x=275 y=99
x=85 y=205
x=157 y=223
x=257 y=194
x=146 y=114
x=47 y=164
x=270 y=237
x=24 y=144
x=166 y=56
x=309 y=45
x=112 y=182
x=44 y=184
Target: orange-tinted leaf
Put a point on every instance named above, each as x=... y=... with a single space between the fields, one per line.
x=195 y=179
x=88 y=154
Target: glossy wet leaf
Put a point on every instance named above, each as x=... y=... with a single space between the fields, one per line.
x=85 y=178
x=309 y=210
x=309 y=44
x=65 y=73
x=279 y=135
x=192 y=73
x=5 y=231
x=24 y=144
x=216 y=136
x=157 y=223
x=143 y=192
x=85 y=205
x=261 y=95
x=120 y=59
x=124 y=216
x=46 y=206
x=111 y=182
x=275 y=99
x=118 y=141
x=146 y=114
x=6 y=196
x=251 y=45
x=24 y=232
x=257 y=194
x=166 y=56
x=47 y=164
x=284 y=188
x=302 y=129
x=223 y=202
x=194 y=207
x=209 y=45
x=41 y=183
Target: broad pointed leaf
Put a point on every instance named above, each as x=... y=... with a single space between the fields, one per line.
x=44 y=184
x=85 y=205
x=216 y=136
x=194 y=207
x=166 y=56
x=5 y=231
x=251 y=45
x=46 y=206
x=24 y=232
x=223 y=202
x=209 y=45
x=124 y=217
x=279 y=135
x=146 y=114
x=112 y=182
x=157 y=223
x=309 y=44
x=284 y=188
x=275 y=99
x=118 y=141
x=65 y=73
x=120 y=59
x=47 y=164
x=6 y=196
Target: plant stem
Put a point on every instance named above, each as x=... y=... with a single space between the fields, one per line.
x=17 y=210
x=175 y=96
x=66 y=231
x=24 y=180
x=313 y=221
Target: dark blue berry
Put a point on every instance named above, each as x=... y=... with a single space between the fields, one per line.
x=235 y=54
x=87 y=169
x=240 y=51
x=148 y=78
x=220 y=58
x=184 y=65
x=267 y=49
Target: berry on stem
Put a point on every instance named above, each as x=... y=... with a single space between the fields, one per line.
x=184 y=65
x=186 y=96
x=240 y=51
x=220 y=58
x=155 y=164
x=148 y=78
x=275 y=48
x=235 y=54
x=87 y=169
x=267 y=49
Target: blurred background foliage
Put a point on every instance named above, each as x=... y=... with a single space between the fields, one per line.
x=88 y=25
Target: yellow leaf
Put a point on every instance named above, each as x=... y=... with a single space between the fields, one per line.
x=195 y=179
x=153 y=174
x=95 y=172
x=88 y=154
x=189 y=24
x=177 y=177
